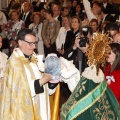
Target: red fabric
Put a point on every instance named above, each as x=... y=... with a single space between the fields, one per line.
x=114 y=86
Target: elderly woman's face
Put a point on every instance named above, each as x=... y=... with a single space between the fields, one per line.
x=36 y=19
x=14 y=16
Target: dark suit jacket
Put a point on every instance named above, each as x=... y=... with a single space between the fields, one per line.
x=70 y=39
x=28 y=19
x=60 y=19
x=39 y=8
x=109 y=9
x=109 y=18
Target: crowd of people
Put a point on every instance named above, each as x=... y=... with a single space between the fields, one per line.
x=19 y=15
x=67 y=29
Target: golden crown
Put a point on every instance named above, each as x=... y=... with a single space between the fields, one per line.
x=98 y=50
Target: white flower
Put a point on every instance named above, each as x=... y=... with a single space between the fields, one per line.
x=110 y=79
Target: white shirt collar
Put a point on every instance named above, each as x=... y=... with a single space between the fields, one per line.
x=56 y=18
x=104 y=4
x=26 y=15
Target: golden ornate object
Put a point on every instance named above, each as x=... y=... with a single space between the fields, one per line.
x=98 y=50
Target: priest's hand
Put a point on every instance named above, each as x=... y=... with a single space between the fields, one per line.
x=46 y=78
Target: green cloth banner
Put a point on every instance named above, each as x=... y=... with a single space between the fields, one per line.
x=87 y=101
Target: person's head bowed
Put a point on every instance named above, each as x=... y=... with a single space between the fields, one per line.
x=114 y=56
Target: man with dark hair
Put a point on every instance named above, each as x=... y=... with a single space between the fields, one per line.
x=64 y=11
x=24 y=89
x=69 y=6
x=112 y=29
x=106 y=17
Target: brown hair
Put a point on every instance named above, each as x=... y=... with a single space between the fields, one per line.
x=36 y=13
x=115 y=47
x=63 y=8
x=49 y=11
x=79 y=20
x=14 y=10
x=94 y=20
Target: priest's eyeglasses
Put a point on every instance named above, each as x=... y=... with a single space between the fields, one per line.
x=31 y=43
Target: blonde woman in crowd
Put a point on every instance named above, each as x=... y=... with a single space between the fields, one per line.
x=36 y=27
x=75 y=24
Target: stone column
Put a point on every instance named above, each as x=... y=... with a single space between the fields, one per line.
x=3 y=3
